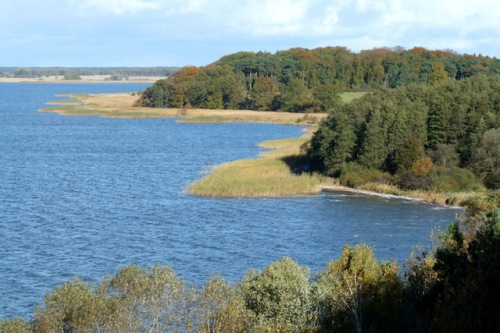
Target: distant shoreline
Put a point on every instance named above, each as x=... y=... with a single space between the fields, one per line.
x=85 y=79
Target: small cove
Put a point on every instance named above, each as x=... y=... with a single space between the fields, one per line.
x=87 y=195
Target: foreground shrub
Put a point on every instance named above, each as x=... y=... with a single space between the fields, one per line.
x=152 y=300
x=356 y=293
x=279 y=296
x=219 y=307
x=74 y=307
x=16 y=325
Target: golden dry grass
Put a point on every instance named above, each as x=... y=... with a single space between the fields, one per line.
x=261 y=177
x=121 y=105
x=284 y=147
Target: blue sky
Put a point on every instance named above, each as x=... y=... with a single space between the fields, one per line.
x=198 y=32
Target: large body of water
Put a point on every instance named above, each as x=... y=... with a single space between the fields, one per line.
x=87 y=195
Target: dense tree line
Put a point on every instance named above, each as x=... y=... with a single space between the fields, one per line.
x=424 y=134
x=452 y=288
x=302 y=80
x=37 y=72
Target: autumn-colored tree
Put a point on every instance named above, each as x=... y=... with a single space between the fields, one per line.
x=421 y=167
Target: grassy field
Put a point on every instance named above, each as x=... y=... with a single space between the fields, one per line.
x=348 y=97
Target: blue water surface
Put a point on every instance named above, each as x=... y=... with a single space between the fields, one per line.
x=88 y=195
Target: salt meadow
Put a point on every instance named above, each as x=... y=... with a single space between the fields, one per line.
x=87 y=196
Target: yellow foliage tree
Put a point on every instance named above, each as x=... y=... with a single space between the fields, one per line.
x=422 y=166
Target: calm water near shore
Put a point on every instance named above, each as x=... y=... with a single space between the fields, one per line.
x=87 y=195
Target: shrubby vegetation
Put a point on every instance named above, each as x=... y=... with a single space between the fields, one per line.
x=416 y=136
x=451 y=288
x=302 y=80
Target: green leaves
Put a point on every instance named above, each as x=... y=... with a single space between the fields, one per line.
x=356 y=292
x=279 y=295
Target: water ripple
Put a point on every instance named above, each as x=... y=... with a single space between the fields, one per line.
x=86 y=196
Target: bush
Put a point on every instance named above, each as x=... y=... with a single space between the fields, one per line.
x=279 y=296
x=410 y=181
x=354 y=175
x=16 y=325
x=453 y=180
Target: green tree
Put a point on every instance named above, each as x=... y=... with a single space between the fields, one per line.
x=263 y=93
x=74 y=307
x=218 y=307
x=356 y=293
x=406 y=154
x=328 y=97
x=486 y=158
x=438 y=73
x=293 y=96
x=468 y=273
x=374 y=149
x=279 y=296
x=333 y=147
x=153 y=300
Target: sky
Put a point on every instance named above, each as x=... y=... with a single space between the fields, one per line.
x=146 y=33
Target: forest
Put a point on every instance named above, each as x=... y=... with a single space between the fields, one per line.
x=452 y=287
x=302 y=80
x=444 y=137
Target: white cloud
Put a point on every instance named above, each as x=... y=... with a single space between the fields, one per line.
x=326 y=24
x=184 y=26
x=267 y=18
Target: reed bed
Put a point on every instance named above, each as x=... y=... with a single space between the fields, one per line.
x=261 y=177
x=284 y=147
x=122 y=105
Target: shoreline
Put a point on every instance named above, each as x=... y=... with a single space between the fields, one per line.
x=345 y=189
x=85 y=79
x=121 y=105
x=350 y=190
